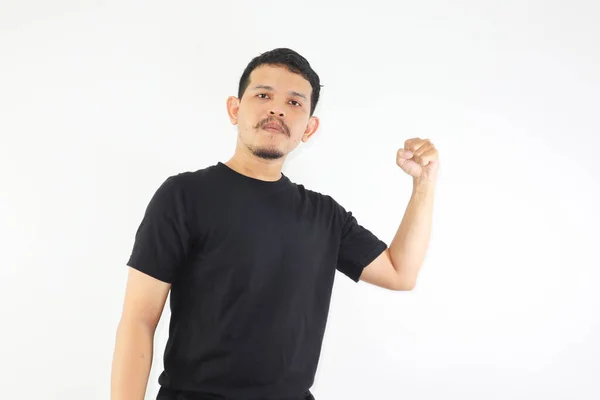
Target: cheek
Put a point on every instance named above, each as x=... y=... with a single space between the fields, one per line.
x=245 y=123
x=299 y=128
x=247 y=117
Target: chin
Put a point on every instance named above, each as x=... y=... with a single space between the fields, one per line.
x=267 y=153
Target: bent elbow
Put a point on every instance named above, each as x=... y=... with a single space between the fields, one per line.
x=405 y=284
x=406 y=288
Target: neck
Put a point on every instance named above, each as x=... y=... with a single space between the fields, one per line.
x=248 y=164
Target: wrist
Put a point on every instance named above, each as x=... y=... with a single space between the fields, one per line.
x=420 y=186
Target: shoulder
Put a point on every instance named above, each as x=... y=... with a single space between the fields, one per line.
x=190 y=181
x=182 y=189
x=322 y=201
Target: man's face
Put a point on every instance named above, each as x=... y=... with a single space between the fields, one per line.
x=273 y=115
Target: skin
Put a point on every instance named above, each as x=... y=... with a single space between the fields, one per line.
x=273 y=95
x=397 y=268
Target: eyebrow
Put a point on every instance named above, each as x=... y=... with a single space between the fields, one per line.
x=292 y=93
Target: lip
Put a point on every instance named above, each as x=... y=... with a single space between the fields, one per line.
x=272 y=126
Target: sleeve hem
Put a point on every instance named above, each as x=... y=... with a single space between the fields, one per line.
x=368 y=259
x=154 y=273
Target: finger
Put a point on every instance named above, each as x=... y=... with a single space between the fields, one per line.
x=409 y=143
x=414 y=144
x=429 y=156
x=418 y=154
x=404 y=154
x=425 y=147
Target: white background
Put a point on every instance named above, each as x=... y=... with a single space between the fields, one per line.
x=101 y=101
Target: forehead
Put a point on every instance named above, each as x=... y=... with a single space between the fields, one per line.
x=280 y=78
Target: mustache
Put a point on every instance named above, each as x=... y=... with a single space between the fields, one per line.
x=268 y=120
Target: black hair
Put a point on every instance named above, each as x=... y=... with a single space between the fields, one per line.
x=289 y=59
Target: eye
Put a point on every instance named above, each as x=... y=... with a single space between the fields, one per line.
x=262 y=94
x=296 y=103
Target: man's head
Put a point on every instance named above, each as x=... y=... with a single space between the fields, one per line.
x=277 y=96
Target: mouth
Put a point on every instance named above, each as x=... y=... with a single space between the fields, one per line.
x=273 y=127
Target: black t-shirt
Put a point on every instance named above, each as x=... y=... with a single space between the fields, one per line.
x=251 y=265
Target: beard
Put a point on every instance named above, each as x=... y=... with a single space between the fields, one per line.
x=266 y=153
x=262 y=151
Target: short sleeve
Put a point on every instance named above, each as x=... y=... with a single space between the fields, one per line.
x=162 y=239
x=358 y=247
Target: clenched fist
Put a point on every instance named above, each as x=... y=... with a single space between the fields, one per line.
x=419 y=158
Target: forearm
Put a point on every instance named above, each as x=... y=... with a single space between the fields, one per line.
x=132 y=361
x=409 y=246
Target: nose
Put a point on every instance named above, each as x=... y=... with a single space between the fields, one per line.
x=278 y=113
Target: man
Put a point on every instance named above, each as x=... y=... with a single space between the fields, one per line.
x=249 y=257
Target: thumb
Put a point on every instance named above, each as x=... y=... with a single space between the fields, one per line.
x=405 y=154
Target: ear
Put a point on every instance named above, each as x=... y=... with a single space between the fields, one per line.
x=233 y=107
x=311 y=128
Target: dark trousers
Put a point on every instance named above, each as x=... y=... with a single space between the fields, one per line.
x=169 y=394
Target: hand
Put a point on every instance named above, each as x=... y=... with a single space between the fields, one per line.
x=419 y=158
